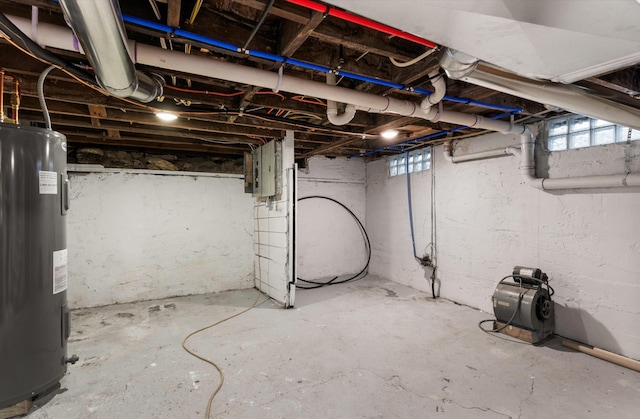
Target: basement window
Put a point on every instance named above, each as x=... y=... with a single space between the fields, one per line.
x=414 y=161
x=579 y=131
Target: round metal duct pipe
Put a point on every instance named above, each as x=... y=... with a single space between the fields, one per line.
x=100 y=30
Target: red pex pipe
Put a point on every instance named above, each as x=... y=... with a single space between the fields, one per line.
x=362 y=21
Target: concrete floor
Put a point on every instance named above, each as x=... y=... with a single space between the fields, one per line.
x=371 y=349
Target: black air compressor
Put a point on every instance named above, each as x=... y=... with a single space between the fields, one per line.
x=522 y=305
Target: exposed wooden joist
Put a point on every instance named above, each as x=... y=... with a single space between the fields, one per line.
x=293 y=35
x=113 y=133
x=173 y=13
x=97 y=112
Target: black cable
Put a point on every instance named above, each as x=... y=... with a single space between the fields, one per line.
x=23 y=41
x=265 y=13
x=334 y=280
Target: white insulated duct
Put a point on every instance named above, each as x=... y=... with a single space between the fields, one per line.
x=332 y=107
x=100 y=30
x=461 y=66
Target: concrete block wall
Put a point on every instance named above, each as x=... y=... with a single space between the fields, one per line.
x=329 y=241
x=140 y=236
x=488 y=220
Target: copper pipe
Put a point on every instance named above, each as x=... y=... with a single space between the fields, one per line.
x=15 y=100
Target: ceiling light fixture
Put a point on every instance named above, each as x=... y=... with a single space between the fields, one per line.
x=389 y=134
x=167 y=116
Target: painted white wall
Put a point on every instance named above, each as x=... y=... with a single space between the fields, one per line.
x=144 y=236
x=274 y=261
x=488 y=221
x=329 y=241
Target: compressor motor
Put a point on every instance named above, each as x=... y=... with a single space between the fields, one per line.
x=524 y=303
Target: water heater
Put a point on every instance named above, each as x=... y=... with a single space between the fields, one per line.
x=34 y=319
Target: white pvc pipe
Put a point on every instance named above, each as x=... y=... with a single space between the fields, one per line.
x=332 y=107
x=585 y=182
x=62 y=38
x=439 y=90
x=482 y=155
x=528 y=168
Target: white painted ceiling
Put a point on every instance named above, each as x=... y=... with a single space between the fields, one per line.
x=559 y=40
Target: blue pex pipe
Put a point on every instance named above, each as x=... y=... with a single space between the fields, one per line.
x=280 y=59
x=426 y=137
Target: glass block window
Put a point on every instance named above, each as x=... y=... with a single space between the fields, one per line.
x=578 y=131
x=415 y=161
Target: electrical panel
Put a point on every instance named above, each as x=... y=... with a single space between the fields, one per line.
x=263 y=170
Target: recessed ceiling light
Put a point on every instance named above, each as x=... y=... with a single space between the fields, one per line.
x=167 y=116
x=389 y=134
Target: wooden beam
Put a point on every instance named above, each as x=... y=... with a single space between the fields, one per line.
x=293 y=35
x=331 y=32
x=134 y=142
x=173 y=13
x=330 y=147
x=113 y=133
x=97 y=112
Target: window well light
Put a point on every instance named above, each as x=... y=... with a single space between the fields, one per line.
x=167 y=116
x=389 y=134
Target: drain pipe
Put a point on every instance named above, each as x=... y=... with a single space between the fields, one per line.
x=99 y=29
x=332 y=107
x=439 y=90
x=460 y=66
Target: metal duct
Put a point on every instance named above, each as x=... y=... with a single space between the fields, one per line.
x=461 y=66
x=99 y=27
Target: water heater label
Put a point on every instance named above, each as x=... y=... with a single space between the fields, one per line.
x=48 y=182
x=59 y=271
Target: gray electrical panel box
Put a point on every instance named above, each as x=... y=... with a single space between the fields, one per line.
x=264 y=179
